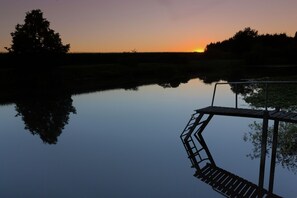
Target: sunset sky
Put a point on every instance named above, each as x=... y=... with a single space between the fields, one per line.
x=150 y=25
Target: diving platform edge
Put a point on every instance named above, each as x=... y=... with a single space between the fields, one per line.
x=250 y=113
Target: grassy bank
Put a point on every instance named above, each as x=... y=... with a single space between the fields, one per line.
x=8 y=60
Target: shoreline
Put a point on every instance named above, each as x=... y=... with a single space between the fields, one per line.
x=17 y=84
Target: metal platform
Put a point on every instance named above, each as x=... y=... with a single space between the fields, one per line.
x=250 y=113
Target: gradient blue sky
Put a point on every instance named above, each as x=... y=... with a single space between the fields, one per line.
x=150 y=25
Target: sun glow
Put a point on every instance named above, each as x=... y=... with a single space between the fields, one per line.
x=199 y=50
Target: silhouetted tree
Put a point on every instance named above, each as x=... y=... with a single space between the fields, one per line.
x=247 y=33
x=237 y=45
x=46 y=117
x=242 y=41
x=36 y=37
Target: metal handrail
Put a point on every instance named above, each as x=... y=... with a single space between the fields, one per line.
x=249 y=82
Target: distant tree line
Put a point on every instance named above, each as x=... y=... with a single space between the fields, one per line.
x=256 y=48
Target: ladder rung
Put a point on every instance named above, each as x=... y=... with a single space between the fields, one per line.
x=195 y=113
x=191 y=156
x=202 y=122
x=184 y=134
x=190 y=125
x=193 y=118
x=190 y=140
x=192 y=149
x=196 y=153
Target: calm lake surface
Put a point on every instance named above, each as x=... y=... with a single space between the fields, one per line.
x=124 y=143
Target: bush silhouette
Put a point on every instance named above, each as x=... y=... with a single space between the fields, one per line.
x=36 y=37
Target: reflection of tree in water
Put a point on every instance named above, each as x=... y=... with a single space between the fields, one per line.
x=286 y=154
x=169 y=85
x=174 y=83
x=46 y=117
x=280 y=96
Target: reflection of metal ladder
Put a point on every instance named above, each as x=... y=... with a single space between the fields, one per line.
x=197 y=153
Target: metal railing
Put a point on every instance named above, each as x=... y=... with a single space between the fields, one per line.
x=266 y=86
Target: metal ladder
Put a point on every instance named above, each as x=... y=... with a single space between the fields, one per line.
x=195 y=148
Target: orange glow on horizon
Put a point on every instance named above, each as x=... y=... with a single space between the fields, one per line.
x=200 y=50
x=189 y=45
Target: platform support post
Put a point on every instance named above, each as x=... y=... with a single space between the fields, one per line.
x=273 y=156
x=263 y=152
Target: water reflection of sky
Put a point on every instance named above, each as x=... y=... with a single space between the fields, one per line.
x=126 y=144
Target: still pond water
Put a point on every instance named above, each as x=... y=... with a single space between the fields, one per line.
x=124 y=143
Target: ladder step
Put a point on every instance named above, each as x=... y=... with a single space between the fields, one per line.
x=192 y=148
x=190 y=140
x=201 y=122
x=190 y=125
x=196 y=153
x=197 y=113
x=184 y=134
x=188 y=128
x=192 y=156
x=193 y=118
